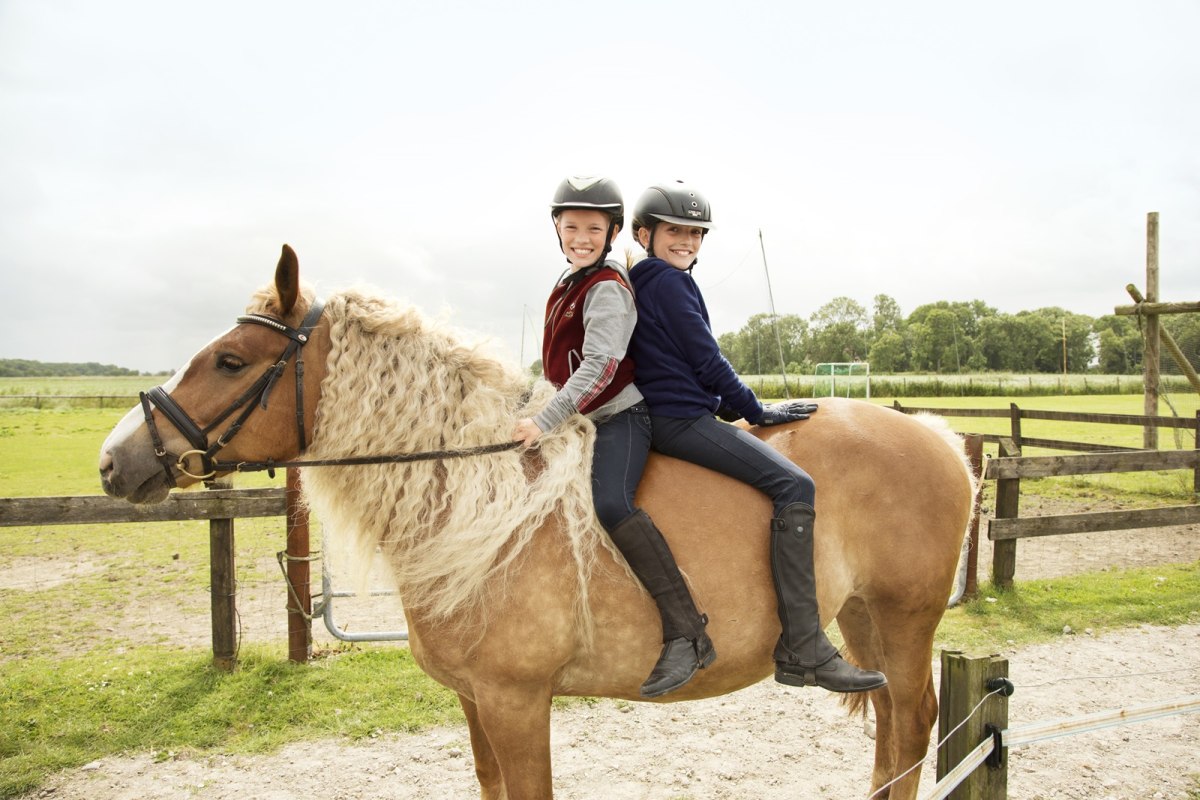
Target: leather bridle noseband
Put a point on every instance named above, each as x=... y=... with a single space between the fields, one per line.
x=254 y=397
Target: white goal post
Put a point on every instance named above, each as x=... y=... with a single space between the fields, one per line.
x=849 y=371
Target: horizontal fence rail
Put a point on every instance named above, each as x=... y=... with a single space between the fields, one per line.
x=1091 y=522
x=179 y=506
x=1091 y=463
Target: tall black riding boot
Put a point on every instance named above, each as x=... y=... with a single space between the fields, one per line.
x=804 y=656
x=686 y=647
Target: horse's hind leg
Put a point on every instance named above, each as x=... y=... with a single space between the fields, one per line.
x=491 y=783
x=864 y=647
x=907 y=709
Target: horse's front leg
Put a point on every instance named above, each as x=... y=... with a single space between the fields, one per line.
x=487 y=770
x=515 y=723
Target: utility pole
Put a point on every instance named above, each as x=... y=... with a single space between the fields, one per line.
x=774 y=317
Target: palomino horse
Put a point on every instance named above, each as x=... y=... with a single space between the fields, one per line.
x=512 y=592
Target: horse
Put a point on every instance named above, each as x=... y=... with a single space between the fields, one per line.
x=512 y=592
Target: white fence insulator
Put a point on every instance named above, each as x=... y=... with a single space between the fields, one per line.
x=1039 y=731
x=962 y=771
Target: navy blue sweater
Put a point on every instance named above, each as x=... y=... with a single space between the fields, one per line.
x=680 y=369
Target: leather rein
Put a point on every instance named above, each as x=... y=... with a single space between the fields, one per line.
x=256 y=397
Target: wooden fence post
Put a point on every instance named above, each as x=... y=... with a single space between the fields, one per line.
x=1008 y=503
x=222 y=583
x=299 y=604
x=1014 y=415
x=1150 y=355
x=964 y=684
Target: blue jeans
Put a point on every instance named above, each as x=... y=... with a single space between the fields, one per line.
x=732 y=451
x=618 y=460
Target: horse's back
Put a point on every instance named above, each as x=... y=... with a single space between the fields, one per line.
x=893 y=497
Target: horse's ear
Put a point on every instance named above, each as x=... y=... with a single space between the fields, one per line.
x=287 y=280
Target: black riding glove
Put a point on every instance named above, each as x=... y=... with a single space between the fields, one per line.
x=780 y=413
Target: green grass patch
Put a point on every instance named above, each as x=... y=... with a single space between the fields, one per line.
x=65 y=713
x=56 y=451
x=1038 y=611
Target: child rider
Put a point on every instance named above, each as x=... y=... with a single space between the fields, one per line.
x=590 y=316
x=685 y=380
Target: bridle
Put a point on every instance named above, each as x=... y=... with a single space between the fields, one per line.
x=256 y=397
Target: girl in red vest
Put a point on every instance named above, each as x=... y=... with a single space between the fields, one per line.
x=589 y=318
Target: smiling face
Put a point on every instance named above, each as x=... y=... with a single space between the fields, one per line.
x=676 y=244
x=583 y=233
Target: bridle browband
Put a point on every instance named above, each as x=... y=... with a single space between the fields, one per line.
x=254 y=397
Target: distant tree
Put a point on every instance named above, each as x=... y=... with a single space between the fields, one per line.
x=838 y=332
x=1079 y=345
x=1120 y=345
x=888 y=353
x=1185 y=329
x=754 y=350
x=23 y=368
x=887 y=317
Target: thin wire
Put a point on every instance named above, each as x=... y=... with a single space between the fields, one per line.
x=939 y=744
x=1109 y=677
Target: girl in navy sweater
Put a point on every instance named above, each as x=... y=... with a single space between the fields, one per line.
x=685 y=381
x=589 y=318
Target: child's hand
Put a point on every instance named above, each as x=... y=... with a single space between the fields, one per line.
x=526 y=432
x=785 y=412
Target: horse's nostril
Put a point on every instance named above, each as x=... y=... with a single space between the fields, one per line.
x=106 y=463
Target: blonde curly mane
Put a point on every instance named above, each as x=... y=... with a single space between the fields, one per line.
x=398 y=382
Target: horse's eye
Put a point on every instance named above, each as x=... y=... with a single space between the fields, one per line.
x=230 y=363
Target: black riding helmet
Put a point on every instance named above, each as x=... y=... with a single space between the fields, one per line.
x=591 y=194
x=674 y=202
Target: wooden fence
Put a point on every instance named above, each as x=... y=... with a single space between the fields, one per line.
x=220 y=506
x=1011 y=466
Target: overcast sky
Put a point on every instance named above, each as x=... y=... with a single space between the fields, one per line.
x=154 y=156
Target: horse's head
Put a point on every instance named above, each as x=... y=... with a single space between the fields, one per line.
x=235 y=401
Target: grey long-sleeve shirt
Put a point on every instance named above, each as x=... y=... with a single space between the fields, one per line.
x=609 y=317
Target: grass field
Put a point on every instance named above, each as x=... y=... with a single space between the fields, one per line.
x=76 y=684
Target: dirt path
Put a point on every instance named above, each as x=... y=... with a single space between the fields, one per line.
x=763 y=741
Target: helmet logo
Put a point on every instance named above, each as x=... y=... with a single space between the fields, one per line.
x=582 y=183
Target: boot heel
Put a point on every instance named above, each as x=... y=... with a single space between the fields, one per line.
x=706 y=654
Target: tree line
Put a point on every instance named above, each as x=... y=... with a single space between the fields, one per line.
x=948 y=337
x=22 y=368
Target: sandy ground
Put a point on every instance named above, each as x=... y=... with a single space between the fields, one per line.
x=766 y=740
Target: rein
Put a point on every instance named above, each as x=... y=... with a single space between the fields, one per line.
x=256 y=397
x=356 y=461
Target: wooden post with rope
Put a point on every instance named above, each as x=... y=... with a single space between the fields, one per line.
x=973 y=707
x=299 y=606
x=1150 y=376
